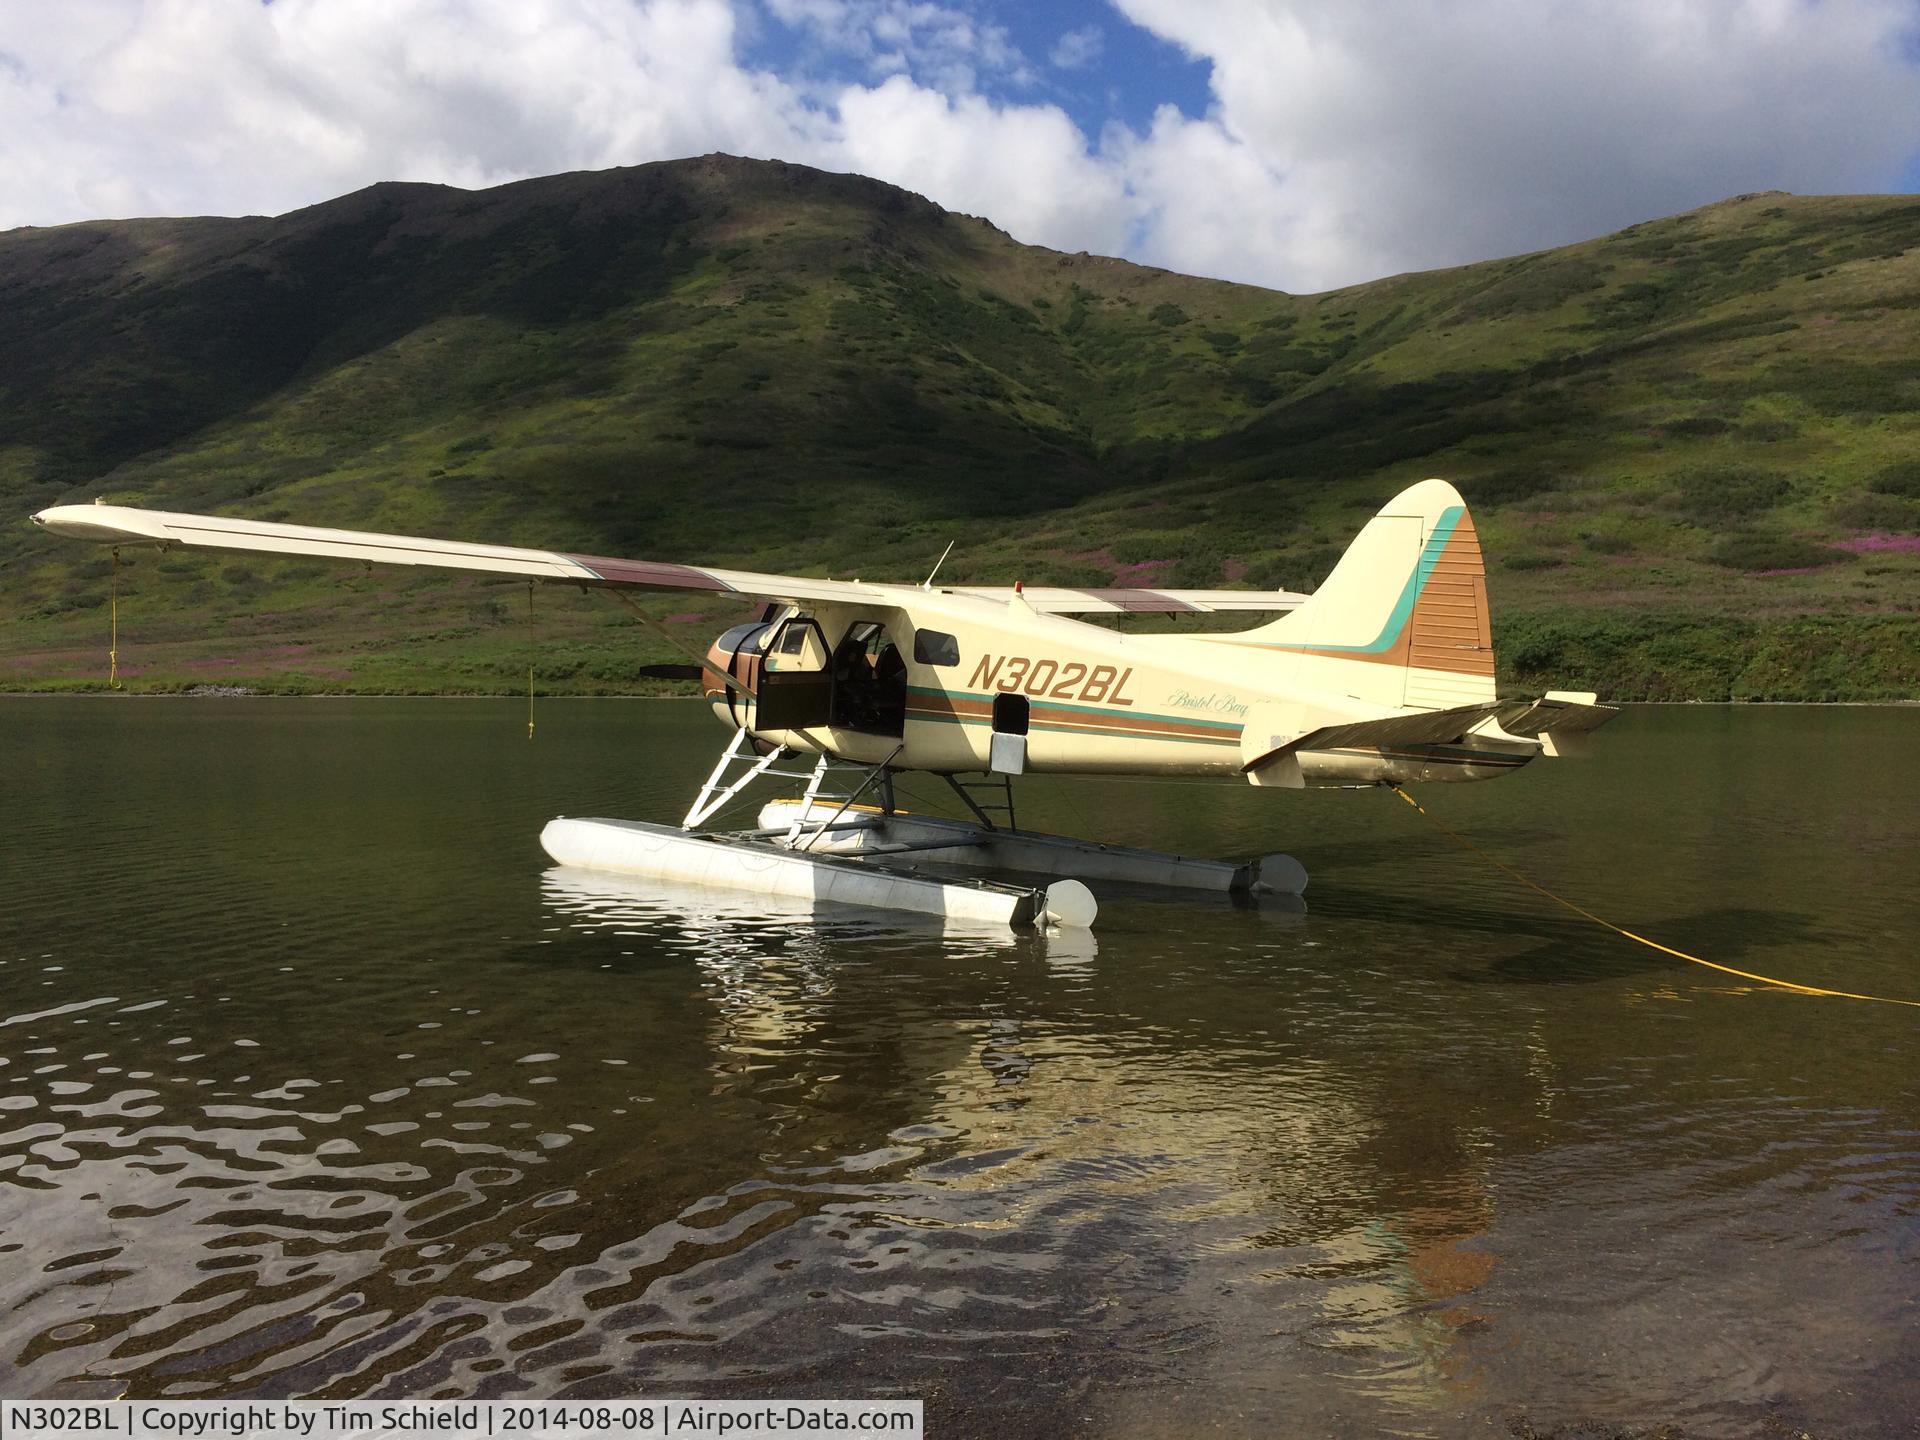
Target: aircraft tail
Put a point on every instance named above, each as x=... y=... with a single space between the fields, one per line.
x=1403 y=618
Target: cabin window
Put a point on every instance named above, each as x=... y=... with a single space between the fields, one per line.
x=796 y=644
x=730 y=642
x=932 y=647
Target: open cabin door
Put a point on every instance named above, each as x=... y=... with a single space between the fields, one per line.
x=869 y=681
x=796 y=685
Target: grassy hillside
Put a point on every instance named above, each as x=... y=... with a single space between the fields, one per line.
x=1693 y=448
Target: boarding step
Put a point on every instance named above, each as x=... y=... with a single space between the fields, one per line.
x=986 y=797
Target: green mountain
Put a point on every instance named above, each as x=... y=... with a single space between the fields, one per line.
x=1693 y=448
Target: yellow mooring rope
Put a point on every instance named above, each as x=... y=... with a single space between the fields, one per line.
x=113 y=625
x=1465 y=843
x=530 y=649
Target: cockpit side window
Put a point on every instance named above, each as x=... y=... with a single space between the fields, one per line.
x=935 y=647
x=797 y=644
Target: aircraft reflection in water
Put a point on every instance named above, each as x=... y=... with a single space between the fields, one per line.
x=1384 y=675
x=1030 y=1108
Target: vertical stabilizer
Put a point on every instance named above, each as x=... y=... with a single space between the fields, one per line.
x=1403 y=618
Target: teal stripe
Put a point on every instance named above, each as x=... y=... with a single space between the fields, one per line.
x=913 y=717
x=1117 y=712
x=1409 y=593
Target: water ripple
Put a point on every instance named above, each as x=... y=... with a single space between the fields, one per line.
x=355 y=1098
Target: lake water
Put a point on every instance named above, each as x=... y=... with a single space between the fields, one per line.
x=315 y=1082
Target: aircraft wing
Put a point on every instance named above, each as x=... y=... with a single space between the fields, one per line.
x=126 y=525
x=130 y=526
x=1119 y=600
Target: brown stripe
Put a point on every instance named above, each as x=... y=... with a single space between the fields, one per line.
x=649 y=574
x=1146 y=732
x=1117 y=721
x=1070 y=719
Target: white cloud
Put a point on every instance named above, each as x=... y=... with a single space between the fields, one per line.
x=1211 y=205
x=191 y=106
x=1344 y=140
x=940 y=45
x=1420 y=134
x=959 y=152
x=1078 y=48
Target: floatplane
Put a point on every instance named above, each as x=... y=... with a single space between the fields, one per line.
x=1383 y=675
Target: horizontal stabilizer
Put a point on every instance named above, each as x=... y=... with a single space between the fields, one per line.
x=1425 y=727
x=1559 y=712
x=1561 y=721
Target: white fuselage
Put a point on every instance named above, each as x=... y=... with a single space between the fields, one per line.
x=1102 y=702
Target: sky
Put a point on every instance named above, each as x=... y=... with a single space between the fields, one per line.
x=1298 y=144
